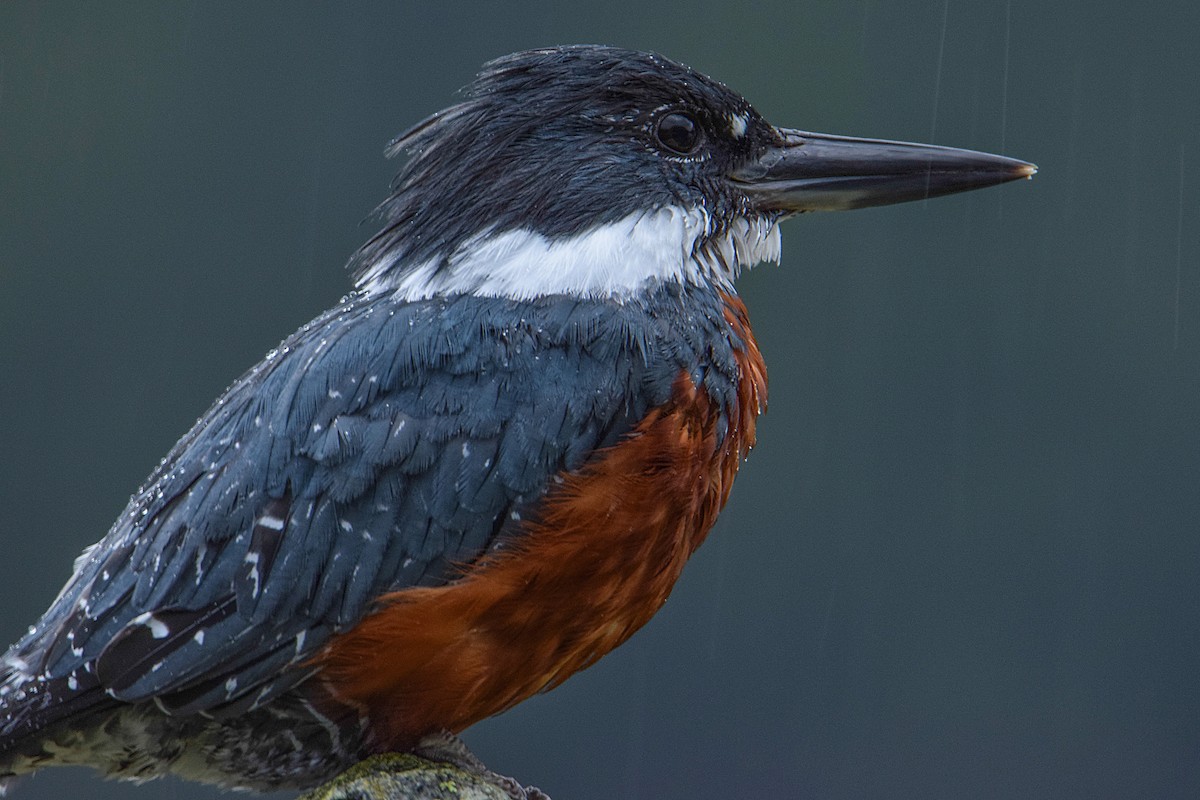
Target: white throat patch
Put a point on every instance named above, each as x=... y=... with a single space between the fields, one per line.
x=614 y=260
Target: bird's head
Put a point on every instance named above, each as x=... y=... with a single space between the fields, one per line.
x=596 y=172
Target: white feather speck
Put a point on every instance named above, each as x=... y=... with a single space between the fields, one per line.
x=737 y=125
x=158 y=628
x=271 y=522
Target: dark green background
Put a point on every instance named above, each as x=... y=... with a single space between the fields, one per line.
x=962 y=561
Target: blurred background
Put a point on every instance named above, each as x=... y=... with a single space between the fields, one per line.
x=962 y=561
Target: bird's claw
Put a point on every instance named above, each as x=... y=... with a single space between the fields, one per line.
x=450 y=749
x=513 y=788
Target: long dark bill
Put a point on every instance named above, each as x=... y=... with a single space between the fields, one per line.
x=820 y=172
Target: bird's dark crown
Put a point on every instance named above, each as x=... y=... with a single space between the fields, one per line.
x=559 y=141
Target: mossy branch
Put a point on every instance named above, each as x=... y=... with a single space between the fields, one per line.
x=401 y=776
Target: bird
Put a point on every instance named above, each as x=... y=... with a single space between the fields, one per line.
x=482 y=469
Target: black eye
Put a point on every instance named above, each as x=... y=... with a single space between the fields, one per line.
x=678 y=132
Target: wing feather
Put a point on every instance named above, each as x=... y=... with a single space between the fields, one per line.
x=382 y=446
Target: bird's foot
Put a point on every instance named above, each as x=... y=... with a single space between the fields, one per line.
x=450 y=749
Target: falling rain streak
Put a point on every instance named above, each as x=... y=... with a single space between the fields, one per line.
x=1178 y=253
x=937 y=83
x=1004 y=93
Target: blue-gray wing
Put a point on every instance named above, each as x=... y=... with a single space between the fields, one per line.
x=384 y=445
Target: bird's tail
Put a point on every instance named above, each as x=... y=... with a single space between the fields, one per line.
x=9 y=771
x=26 y=710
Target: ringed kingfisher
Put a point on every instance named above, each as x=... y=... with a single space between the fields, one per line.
x=480 y=471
